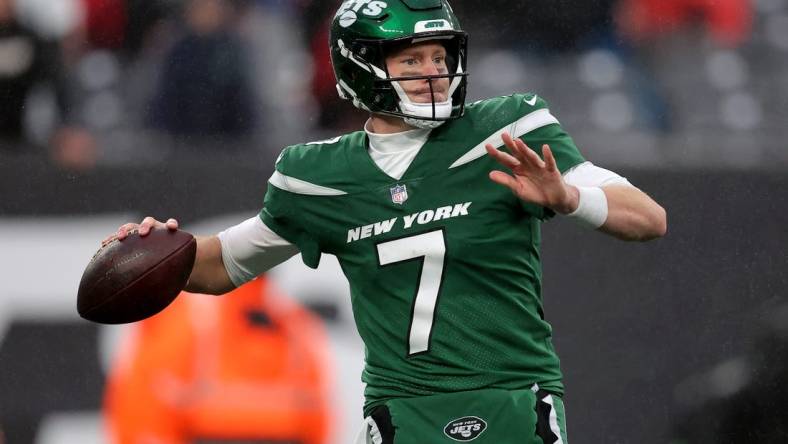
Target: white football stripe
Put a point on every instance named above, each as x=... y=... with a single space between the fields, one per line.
x=299 y=186
x=554 y=419
x=519 y=128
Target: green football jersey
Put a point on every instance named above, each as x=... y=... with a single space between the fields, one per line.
x=443 y=264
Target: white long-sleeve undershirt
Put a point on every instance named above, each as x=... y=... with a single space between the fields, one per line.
x=393 y=153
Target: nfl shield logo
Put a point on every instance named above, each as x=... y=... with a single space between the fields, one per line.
x=399 y=194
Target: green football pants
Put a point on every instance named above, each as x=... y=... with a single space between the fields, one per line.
x=490 y=416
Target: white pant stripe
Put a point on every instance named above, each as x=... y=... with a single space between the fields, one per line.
x=369 y=433
x=554 y=419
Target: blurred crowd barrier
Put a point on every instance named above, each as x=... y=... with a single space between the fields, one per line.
x=90 y=83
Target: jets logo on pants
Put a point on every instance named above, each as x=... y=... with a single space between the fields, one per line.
x=465 y=429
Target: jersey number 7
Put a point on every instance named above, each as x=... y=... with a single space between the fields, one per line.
x=430 y=249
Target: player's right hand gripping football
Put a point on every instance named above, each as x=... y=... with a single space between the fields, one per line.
x=143 y=228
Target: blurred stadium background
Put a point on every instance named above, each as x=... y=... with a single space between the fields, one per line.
x=115 y=109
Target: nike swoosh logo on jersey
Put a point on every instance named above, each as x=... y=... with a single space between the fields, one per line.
x=531 y=101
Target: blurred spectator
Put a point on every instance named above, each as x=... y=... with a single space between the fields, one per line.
x=50 y=20
x=123 y=24
x=556 y=28
x=281 y=69
x=205 y=88
x=143 y=20
x=542 y=26
x=105 y=23
x=334 y=113
x=25 y=61
x=648 y=26
x=30 y=56
x=74 y=148
x=250 y=365
x=729 y=22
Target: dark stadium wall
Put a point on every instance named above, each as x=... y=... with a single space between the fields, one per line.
x=634 y=323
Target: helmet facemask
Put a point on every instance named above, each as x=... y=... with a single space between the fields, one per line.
x=432 y=114
x=387 y=95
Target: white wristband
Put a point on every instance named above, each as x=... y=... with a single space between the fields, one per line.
x=591 y=207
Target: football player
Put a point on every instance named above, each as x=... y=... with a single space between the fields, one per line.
x=434 y=212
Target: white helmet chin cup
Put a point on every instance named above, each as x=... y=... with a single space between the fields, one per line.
x=422 y=113
x=423 y=124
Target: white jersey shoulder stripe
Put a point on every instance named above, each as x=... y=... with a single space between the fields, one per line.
x=518 y=128
x=325 y=142
x=299 y=186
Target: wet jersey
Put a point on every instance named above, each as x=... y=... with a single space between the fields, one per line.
x=443 y=264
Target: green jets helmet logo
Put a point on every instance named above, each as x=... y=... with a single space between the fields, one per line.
x=349 y=11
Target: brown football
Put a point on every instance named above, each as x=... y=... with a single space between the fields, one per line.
x=133 y=279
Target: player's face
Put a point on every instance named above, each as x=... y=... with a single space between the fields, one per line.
x=421 y=59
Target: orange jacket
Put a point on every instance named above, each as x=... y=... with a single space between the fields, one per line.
x=248 y=365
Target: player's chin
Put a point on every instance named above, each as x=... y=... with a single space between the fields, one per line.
x=429 y=98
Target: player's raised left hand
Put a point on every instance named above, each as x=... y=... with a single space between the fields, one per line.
x=533 y=179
